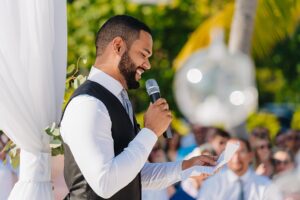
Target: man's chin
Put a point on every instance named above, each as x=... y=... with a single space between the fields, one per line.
x=133 y=84
x=236 y=167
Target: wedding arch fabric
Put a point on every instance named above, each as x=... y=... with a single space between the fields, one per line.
x=33 y=54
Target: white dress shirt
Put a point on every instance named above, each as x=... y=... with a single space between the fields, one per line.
x=155 y=194
x=224 y=185
x=86 y=128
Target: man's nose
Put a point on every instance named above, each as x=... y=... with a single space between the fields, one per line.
x=147 y=65
x=235 y=157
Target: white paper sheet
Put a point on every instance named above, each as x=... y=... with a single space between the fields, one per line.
x=224 y=158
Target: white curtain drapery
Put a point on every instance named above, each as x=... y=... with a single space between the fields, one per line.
x=33 y=53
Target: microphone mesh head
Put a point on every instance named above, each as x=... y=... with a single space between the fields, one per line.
x=152 y=87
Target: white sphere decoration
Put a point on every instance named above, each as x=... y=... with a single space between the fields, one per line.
x=214 y=87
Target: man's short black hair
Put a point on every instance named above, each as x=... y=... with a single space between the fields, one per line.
x=218 y=132
x=245 y=141
x=124 y=26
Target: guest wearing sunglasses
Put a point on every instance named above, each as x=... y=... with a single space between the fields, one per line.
x=283 y=161
x=293 y=141
x=263 y=162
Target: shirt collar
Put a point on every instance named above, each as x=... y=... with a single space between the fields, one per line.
x=106 y=81
x=232 y=177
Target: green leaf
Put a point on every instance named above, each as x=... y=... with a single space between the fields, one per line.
x=84 y=60
x=13 y=152
x=71 y=68
x=57 y=151
x=4 y=161
x=82 y=80
x=56 y=132
x=53 y=126
x=48 y=131
x=76 y=83
x=55 y=143
x=8 y=146
x=15 y=161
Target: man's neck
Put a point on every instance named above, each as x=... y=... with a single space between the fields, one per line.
x=111 y=71
x=241 y=173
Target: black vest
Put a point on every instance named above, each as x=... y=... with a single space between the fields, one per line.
x=123 y=132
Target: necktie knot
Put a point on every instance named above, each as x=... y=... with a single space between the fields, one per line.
x=124 y=95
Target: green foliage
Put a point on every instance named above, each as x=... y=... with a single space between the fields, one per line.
x=278 y=74
x=263 y=119
x=14 y=154
x=295 y=124
x=266 y=33
x=56 y=140
x=170 y=24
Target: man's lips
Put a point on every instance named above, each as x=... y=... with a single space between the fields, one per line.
x=139 y=73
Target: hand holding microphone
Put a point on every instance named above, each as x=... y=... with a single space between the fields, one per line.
x=158 y=117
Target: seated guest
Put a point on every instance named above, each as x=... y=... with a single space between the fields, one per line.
x=238 y=181
x=192 y=140
x=218 y=140
x=259 y=133
x=8 y=175
x=293 y=141
x=263 y=158
x=288 y=183
x=280 y=140
x=283 y=161
x=189 y=188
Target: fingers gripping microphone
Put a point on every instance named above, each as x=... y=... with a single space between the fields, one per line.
x=154 y=94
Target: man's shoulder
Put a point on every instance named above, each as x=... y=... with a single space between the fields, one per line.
x=260 y=180
x=217 y=179
x=84 y=99
x=82 y=105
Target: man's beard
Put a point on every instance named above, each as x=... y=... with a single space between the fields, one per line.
x=128 y=70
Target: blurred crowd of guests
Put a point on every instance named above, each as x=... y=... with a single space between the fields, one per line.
x=262 y=168
x=8 y=175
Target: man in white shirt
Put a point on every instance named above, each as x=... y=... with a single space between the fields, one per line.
x=238 y=181
x=105 y=152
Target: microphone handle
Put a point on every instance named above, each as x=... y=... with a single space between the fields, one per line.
x=154 y=97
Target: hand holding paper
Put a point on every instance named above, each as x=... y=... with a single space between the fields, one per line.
x=224 y=158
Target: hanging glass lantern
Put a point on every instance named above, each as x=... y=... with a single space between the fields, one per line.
x=214 y=87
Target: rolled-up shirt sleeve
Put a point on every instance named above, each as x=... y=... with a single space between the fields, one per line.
x=86 y=128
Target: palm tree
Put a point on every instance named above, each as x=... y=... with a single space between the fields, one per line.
x=274 y=21
x=242 y=26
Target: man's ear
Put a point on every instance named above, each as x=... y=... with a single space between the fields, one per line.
x=119 y=46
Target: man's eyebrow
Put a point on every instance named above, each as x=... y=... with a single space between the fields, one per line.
x=148 y=51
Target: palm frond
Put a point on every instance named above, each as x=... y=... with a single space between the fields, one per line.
x=274 y=21
x=201 y=36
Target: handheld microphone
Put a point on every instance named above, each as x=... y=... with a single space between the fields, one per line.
x=154 y=94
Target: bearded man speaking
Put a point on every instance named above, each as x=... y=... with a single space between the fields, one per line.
x=105 y=151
